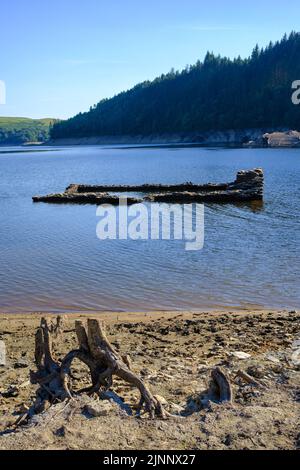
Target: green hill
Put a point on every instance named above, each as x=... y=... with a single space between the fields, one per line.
x=16 y=130
x=216 y=94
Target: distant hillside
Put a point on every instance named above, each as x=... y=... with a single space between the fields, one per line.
x=218 y=93
x=15 y=131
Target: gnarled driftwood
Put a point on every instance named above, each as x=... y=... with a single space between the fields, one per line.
x=103 y=361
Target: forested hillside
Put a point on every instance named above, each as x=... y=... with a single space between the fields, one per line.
x=216 y=94
x=16 y=131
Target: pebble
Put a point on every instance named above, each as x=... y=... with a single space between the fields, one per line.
x=21 y=364
x=296 y=358
x=173 y=359
x=240 y=355
x=2 y=354
x=102 y=409
x=272 y=358
x=11 y=392
x=145 y=372
x=256 y=371
x=166 y=376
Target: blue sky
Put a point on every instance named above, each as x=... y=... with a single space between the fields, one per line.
x=59 y=57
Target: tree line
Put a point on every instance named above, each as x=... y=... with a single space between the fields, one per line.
x=216 y=94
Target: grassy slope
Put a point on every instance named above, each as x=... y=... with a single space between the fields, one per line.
x=13 y=122
x=20 y=130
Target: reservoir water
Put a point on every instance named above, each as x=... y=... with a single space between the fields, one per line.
x=51 y=259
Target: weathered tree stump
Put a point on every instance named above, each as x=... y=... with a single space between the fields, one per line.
x=222 y=385
x=103 y=361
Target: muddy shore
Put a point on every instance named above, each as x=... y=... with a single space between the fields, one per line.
x=174 y=353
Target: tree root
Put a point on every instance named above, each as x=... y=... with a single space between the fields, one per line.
x=248 y=379
x=223 y=385
x=103 y=361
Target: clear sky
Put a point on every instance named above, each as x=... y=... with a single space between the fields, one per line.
x=58 y=57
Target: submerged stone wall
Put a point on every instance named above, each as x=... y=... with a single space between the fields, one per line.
x=248 y=186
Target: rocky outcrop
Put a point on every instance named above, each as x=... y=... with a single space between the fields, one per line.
x=248 y=186
x=289 y=139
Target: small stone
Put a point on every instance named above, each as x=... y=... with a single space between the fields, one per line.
x=21 y=364
x=202 y=368
x=166 y=376
x=256 y=371
x=2 y=354
x=272 y=358
x=173 y=359
x=277 y=368
x=154 y=378
x=240 y=355
x=145 y=372
x=61 y=432
x=103 y=408
x=296 y=344
x=25 y=384
x=228 y=440
x=296 y=358
x=11 y=392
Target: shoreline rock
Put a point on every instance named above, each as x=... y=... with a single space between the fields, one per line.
x=288 y=139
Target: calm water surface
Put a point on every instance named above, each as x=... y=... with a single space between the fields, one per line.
x=51 y=259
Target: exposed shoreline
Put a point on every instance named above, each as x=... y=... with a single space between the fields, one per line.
x=247 y=138
x=241 y=138
x=174 y=352
x=139 y=315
